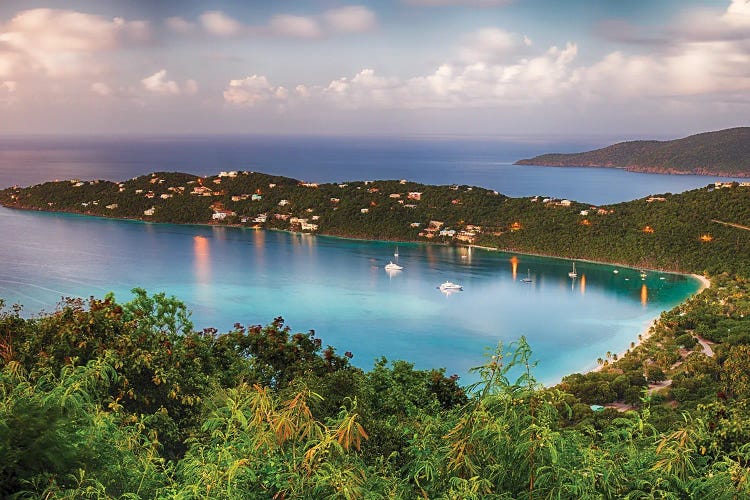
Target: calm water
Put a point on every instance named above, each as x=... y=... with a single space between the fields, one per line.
x=480 y=162
x=339 y=288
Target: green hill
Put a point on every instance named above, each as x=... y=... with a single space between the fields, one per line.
x=723 y=152
x=677 y=232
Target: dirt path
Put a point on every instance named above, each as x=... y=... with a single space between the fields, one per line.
x=732 y=224
x=706 y=346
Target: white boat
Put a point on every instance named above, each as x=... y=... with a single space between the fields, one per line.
x=616 y=271
x=393 y=267
x=573 y=273
x=449 y=285
x=527 y=279
x=643 y=275
x=395 y=254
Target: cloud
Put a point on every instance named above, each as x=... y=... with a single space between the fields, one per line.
x=693 y=25
x=8 y=86
x=253 y=90
x=295 y=26
x=217 y=23
x=158 y=84
x=451 y=85
x=491 y=45
x=101 y=89
x=179 y=25
x=466 y=3
x=61 y=42
x=338 y=21
x=351 y=19
x=499 y=69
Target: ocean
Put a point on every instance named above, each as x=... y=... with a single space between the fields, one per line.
x=480 y=162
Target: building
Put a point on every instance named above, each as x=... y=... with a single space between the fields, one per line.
x=414 y=195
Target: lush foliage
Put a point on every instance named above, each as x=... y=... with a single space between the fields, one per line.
x=110 y=400
x=724 y=152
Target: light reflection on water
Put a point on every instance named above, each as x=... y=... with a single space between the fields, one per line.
x=339 y=288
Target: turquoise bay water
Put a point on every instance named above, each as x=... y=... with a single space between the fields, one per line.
x=339 y=288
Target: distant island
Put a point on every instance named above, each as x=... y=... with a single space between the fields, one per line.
x=723 y=152
x=699 y=231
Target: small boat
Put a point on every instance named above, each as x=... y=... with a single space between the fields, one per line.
x=449 y=285
x=527 y=279
x=573 y=273
x=643 y=275
x=395 y=254
x=616 y=271
x=393 y=267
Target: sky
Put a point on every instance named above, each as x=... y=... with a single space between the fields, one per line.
x=635 y=68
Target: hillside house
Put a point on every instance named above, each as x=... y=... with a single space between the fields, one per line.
x=414 y=195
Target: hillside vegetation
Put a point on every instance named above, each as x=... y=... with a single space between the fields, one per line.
x=104 y=399
x=723 y=152
x=688 y=232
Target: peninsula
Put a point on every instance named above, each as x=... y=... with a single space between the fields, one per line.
x=699 y=231
x=723 y=153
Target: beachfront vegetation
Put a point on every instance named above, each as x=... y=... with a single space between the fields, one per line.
x=103 y=399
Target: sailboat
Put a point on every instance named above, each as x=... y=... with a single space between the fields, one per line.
x=393 y=267
x=395 y=254
x=527 y=279
x=573 y=273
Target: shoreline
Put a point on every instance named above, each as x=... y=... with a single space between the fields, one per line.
x=645 y=333
x=702 y=279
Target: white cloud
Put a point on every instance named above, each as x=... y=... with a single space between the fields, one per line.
x=101 y=89
x=253 y=90
x=217 y=23
x=343 y=20
x=158 y=84
x=491 y=44
x=350 y=19
x=295 y=26
x=179 y=25
x=62 y=42
x=496 y=68
x=467 y=3
x=8 y=86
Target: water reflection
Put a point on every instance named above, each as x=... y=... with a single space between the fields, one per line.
x=514 y=266
x=202 y=259
x=644 y=295
x=583 y=285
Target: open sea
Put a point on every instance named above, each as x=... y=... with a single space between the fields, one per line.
x=339 y=287
x=478 y=162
